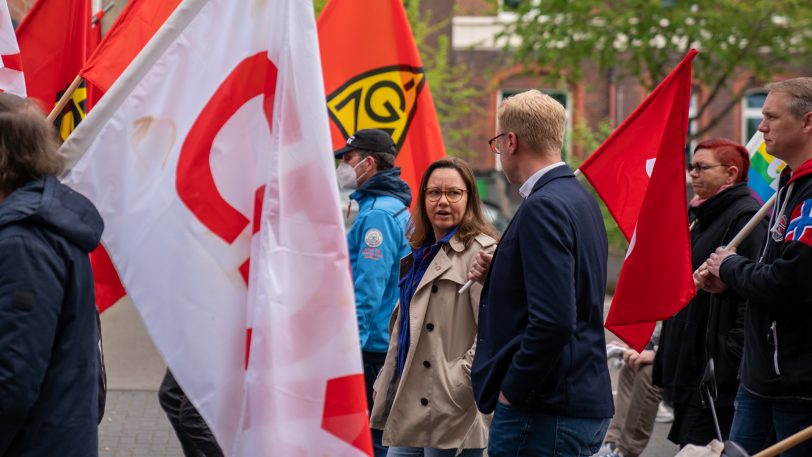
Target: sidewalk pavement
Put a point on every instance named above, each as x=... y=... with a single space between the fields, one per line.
x=135 y=426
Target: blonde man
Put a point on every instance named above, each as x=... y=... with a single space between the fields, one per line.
x=540 y=362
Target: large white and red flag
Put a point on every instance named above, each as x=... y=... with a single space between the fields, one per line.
x=11 y=65
x=639 y=172
x=213 y=147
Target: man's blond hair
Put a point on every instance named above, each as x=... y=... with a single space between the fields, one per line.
x=537 y=119
x=800 y=89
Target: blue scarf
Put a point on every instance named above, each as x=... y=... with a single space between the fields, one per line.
x=423 y=257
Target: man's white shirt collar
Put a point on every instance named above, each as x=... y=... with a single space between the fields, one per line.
x=527 y=187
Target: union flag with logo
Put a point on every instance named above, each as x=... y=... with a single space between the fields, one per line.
x=206 y=159
x=374 y=78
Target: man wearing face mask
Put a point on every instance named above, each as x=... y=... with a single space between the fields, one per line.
x=377 y=239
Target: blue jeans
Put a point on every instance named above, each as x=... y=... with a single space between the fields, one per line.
x=515 y=432
x=395 y=451
x=758 y=423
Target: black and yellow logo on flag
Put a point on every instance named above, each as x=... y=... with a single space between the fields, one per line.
x=385 y=98
x=72 y=113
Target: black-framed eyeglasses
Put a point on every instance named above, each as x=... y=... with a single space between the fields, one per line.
x=700 y=167
x=453 y=195
x=493 y=145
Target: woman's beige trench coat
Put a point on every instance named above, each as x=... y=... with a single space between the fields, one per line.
x=432 y=404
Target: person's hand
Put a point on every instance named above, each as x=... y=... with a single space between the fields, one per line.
x=479 y=269
x=703 y=279
x=715 y=260
x=502 y=399
x=636 y=359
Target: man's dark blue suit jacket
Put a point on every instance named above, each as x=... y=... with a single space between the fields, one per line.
x=541 y=339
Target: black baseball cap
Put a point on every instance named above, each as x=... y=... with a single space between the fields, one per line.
x=372 y=140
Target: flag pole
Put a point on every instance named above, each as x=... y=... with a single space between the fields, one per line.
x=751 y=225
x=65 y=97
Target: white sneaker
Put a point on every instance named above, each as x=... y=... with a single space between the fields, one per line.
x=665 y=415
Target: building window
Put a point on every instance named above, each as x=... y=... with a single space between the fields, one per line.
x=751 y=113
x=560 y=96
x=511 y=5
x=693 y=125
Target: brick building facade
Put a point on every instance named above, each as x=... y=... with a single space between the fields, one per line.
x=598 y=98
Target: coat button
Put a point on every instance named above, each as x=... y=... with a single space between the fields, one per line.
x=437 y=267
x=427 y=364
x=434 y=289
x=424 y=402
x=429 y=326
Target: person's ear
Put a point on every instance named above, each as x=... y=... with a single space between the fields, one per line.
x=807 y=118
x=732 y=173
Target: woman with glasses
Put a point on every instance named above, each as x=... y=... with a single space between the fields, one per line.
x=423 y=398
x=711 y=326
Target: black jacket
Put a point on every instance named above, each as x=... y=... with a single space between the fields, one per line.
x=710 y=325
x=49 y=336
x=541 y=339
x=777 y=362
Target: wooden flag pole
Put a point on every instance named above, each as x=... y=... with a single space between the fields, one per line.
x=786 y=443
x=751 y=225
x=65 y=97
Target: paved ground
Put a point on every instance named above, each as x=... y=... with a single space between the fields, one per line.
x=134 y=425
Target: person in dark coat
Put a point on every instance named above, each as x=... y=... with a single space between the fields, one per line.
x=711 y=326
x=540 y=359
x=774 y=400
x=50 y=354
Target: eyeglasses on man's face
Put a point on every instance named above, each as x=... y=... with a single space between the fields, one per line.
x=700 y=167
x=453 y=195
x=494 y=145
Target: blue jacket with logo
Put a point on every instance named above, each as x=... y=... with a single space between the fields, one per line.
x=377 y=242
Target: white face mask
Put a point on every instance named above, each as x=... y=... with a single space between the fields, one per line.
x=346 y=175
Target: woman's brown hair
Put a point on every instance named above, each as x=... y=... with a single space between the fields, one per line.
x=28 y=144
x=473 y=220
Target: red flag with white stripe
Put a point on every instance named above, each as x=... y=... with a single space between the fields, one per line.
x=11 y=65
x=207 y=160
x=639 y=172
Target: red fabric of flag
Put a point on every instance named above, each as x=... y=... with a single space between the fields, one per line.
x=94 y=38
x=639 y=172
x=374 y=78
x=133 y=29
x=53 y=39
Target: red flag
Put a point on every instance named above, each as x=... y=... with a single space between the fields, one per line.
x=53 y=40
x=133 y=28
x=93 y=40
x=131 y=31
x=639 y=172
x=374 y=78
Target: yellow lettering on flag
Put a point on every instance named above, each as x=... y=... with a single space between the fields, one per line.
x=384 y=98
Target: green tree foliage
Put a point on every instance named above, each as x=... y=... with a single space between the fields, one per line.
x=449 y=84
x=644 y=39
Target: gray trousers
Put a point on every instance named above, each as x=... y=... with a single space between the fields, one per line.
x=635 y=410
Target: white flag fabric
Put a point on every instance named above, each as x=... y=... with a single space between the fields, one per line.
x=11 y=66
x=214 y=146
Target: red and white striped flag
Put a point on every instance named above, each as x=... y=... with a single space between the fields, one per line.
x=210 y=149
x=11 y=65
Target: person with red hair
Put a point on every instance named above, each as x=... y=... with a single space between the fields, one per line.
x=710 y=328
